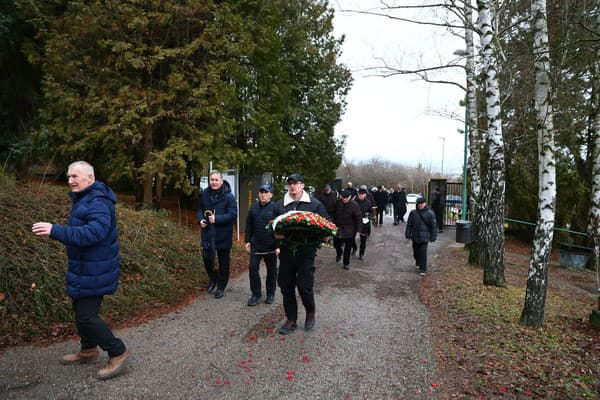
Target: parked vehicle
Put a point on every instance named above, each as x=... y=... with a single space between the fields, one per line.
x=412 y=197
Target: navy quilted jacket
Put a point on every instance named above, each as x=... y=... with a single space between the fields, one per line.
x=222 y=203
x=91 y=239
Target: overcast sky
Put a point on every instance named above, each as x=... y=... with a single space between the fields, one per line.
x=400 y=118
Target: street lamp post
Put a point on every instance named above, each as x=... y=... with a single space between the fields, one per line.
x=463 y=209
x=443 y=148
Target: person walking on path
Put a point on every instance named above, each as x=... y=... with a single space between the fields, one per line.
x=329 y=199
x=353 y=191
x=261 y=245
x=438 y=205
x=421 y=229
x=398 y=199
x=297 y=265
x=366 y=208
x=216 y=215
x=91 y=240
x=347 y=218
x=381 y=200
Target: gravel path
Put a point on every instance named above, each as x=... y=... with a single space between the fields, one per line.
x=372 y=341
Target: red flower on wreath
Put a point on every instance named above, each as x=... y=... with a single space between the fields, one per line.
x=303 y=228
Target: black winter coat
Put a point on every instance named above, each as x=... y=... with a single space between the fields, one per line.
x=222 y=203
x=366 y=209
x=381 y=198
x=347 y=218
x=421 y=226
x=257 y=234
x=329 y=201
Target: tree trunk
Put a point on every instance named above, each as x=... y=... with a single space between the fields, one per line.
x=492 y=242
x=160 y=181
x=594 y=225
x=537 y=281
x=474 y=165
x=148 y=175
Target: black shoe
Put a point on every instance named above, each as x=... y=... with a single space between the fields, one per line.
x=219 y=293
x=211 y=287
x=253 y=300
x=346 y=267
x=270 y=299
x=310 y=321
x=361 y=257
x=338 y=259
x=395 y=223
x=288 y=327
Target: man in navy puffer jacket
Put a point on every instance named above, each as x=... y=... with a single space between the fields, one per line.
x=92 y=245
x=216 y=215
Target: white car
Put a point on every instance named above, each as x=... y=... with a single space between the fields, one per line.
x=412 y=197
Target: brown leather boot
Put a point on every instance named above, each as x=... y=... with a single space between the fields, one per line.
x=82 y=356
x=115 y=366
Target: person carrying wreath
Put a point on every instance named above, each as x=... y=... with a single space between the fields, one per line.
x=297 y=264
x=261 y=245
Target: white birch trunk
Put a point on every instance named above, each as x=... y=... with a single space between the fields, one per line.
x=493 y=194
x=474 y=134
x=594 y=226
x=474 y=164
x=537 y=280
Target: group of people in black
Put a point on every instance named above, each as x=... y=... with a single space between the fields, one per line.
x=351 y=210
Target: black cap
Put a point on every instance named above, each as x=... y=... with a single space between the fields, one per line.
x=421 y=199
x=327 y=187
x=362 y=191
x=295 y=177
x=345 y=193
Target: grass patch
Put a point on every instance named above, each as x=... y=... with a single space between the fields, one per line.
x=483 y=352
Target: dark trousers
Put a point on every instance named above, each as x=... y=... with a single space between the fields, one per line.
x=297 y=269
x=399 y=212
x=363 y=244
x=380 y=213
x=439 y=216
x=92 y=329
x=344 y=246
x=221 y=276
x=420 y=255
x=253 y=272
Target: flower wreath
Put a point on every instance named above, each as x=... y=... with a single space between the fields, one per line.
x=303 y=229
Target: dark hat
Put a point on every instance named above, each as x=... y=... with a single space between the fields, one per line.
x=362 y=191
x=327 y=187
x=268 y=188
x=421 y=199
x=295 y=177
x=345 y=193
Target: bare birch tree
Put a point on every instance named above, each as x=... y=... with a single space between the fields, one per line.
x=594 y=224
x=537 y=280
x=493 y=191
